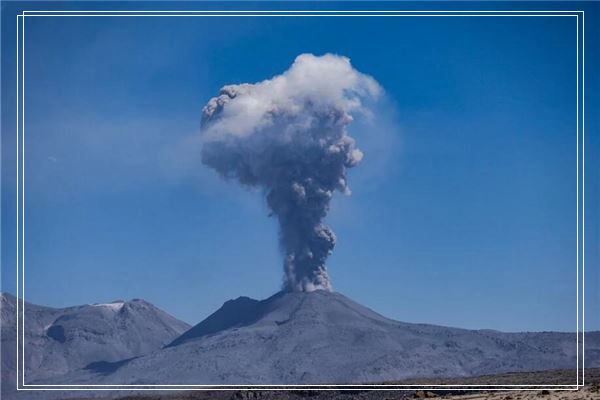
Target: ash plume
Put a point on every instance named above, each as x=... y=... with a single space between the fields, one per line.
x=288 y=136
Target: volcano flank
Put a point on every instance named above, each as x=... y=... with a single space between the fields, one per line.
x=324 y=337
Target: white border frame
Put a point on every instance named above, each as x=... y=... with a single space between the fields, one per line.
x=286 y=13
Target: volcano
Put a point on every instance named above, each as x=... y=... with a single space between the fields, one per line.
x=324 y=337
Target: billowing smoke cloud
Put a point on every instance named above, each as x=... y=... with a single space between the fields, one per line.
x=288 y=135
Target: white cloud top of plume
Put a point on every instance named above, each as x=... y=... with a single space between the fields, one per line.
x=328 y=81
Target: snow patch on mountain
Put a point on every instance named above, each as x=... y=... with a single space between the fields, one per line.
x=114 y=306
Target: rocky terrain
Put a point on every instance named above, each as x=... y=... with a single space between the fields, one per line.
x=290 y=338
x=60 y=340
x=591 y=391
x=325 y=338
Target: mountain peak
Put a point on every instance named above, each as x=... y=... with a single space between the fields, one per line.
x=60 y=340
x=279 y=309
x=233 y=313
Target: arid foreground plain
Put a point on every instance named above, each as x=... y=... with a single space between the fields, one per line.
x=591 y=391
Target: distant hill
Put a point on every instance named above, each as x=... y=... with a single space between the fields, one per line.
x=60 y=340
x=323 y=337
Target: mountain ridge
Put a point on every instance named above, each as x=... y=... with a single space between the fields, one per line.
x=60 y=340
x=325 y=337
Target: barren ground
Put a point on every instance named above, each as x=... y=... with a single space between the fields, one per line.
x=556 y=377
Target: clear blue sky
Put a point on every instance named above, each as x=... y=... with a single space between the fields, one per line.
x=462 y=213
